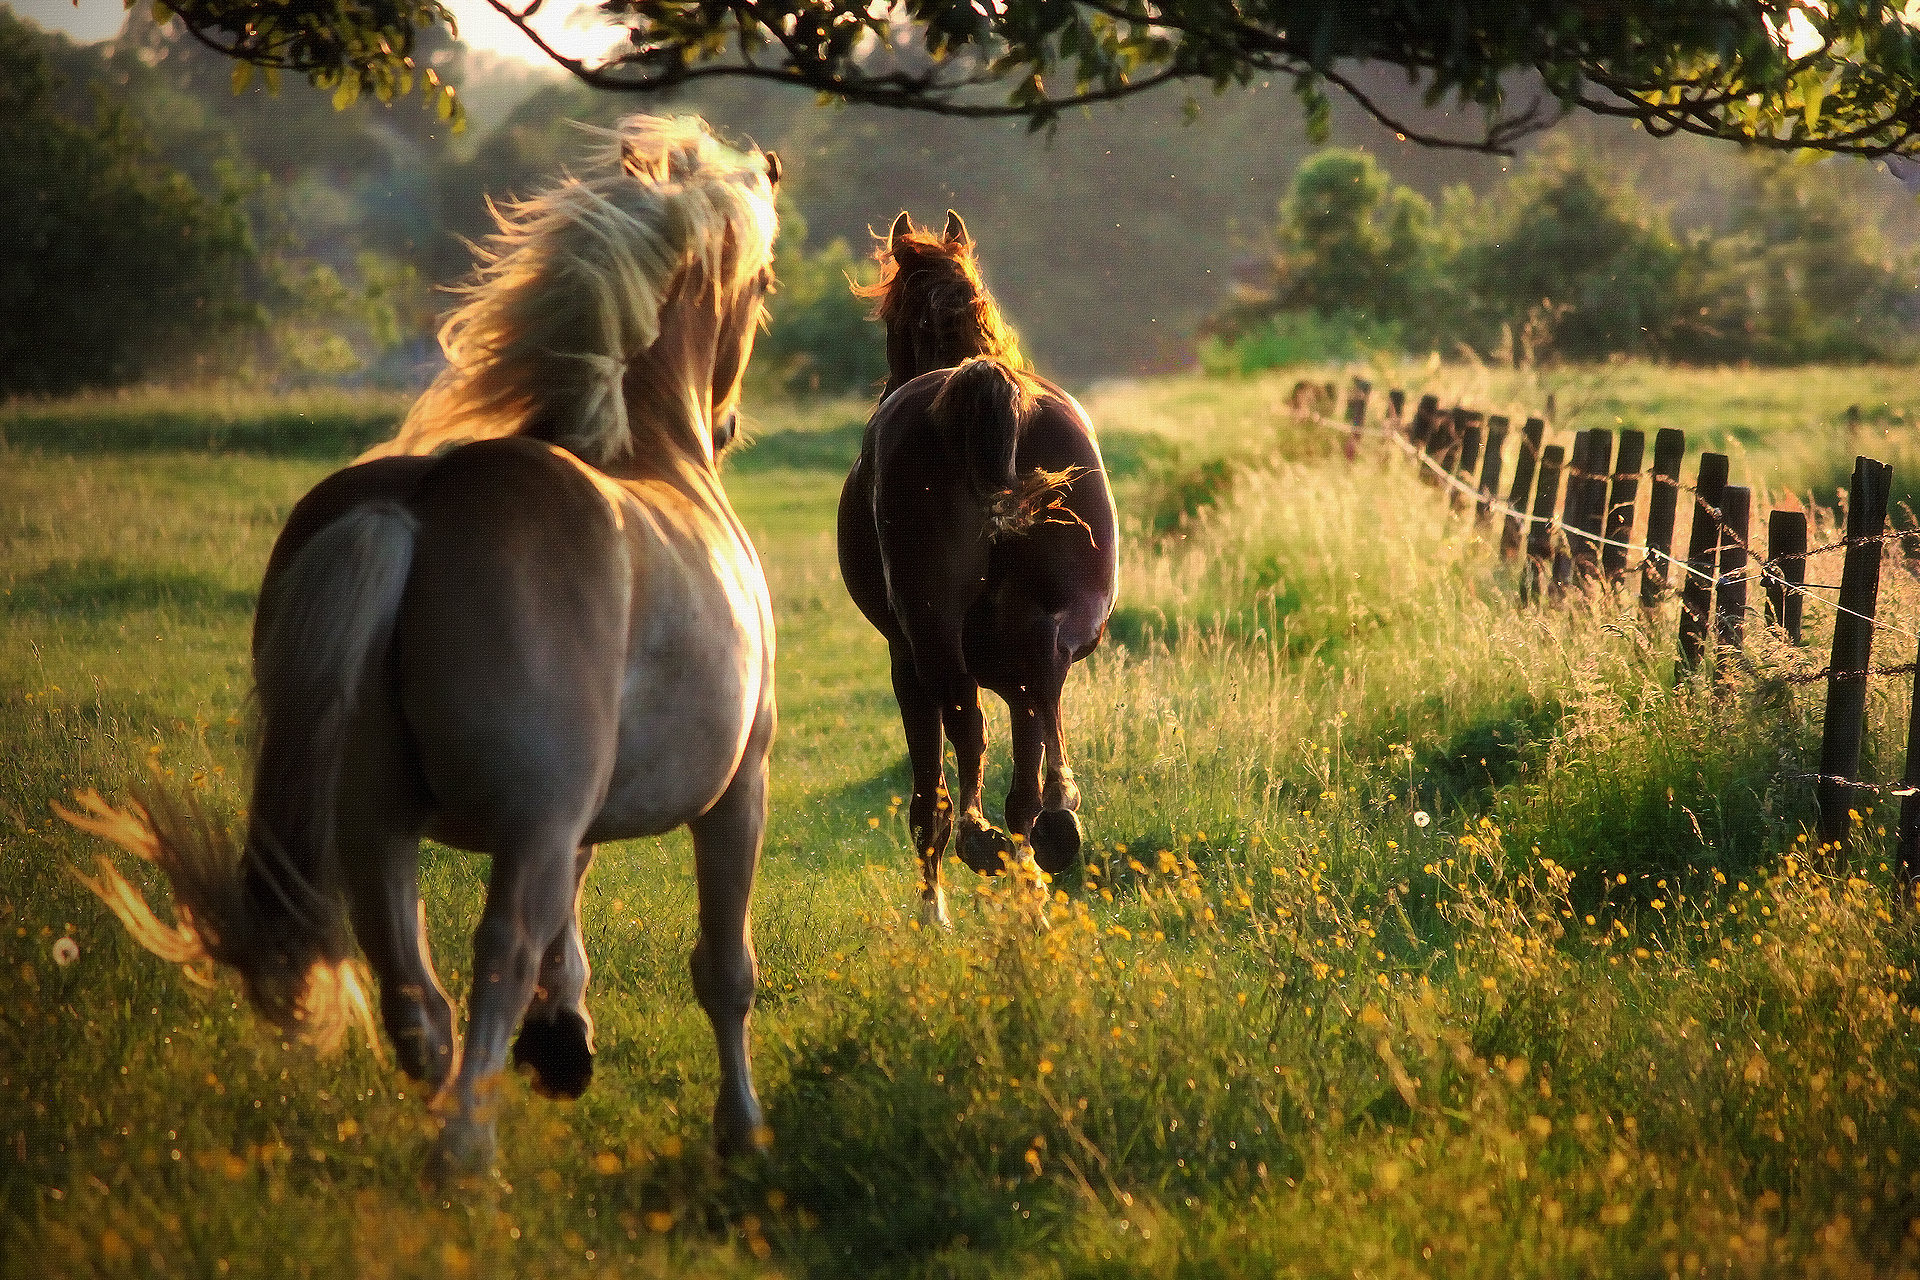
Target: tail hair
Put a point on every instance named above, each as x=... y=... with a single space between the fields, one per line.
x=270 y=908
x=982 y=409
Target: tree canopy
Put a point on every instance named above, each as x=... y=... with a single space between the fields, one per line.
x=1829 y=75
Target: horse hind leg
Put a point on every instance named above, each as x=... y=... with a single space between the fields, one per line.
x=379 y=842
x=930 y=811
x=529 y=900
x=726 y=851
x=556 y=1039
x=1055 y=832
x=983 y=847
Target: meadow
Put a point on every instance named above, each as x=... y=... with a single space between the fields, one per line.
x=1420 y=933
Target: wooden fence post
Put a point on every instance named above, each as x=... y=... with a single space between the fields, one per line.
x=1669 y=450
x=1496 y=444
x=1852 y=653
x=1540 y=526
x=1696 y=590
x=1591 y=514
x=1786 y=569
x=1909 y=838
x=1730 y=588
x=1424 y=415
x=1563 y=551
x=1620 y=503
x=1357 y=396
x=1469 y=451
x=1512 y=538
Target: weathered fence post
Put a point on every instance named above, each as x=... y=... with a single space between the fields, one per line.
x=1852 y=652
x=1512 y=538
x=1591 y=514
x=1495 y=446
x=1424 y=415
x=1696 y=590
x=1357 y=396
x=1462 y=461
x=1730 y=588
x=1669 y=450
x=1626 y=490
x=1786 y=569
x=1563 y=551
x=1909 y=837
x=1540 y=527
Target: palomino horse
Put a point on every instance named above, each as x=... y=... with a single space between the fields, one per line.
x=528 y=624
x=976 y=531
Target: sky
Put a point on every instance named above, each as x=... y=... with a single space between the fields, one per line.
x=480 y=26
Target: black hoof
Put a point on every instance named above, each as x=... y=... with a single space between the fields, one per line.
x=1056 y=840
x=986 y=849
x=557 y=1052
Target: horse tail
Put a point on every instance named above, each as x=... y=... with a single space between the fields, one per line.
x=271 y=910
x=982 y=409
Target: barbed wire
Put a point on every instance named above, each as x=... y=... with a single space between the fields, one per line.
x=1762 y=572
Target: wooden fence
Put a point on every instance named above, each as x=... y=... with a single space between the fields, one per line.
x=1569 y=520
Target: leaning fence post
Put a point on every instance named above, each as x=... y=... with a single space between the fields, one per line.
x=1626 y=489
x=1540 y=527
x=1786 y=569
x=1696 y=589
x=1513 y=536
x=1663 y=499
x=1495 y=446
x=1730 y=588
x=1852 y=651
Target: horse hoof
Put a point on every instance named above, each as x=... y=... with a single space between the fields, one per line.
x=464 y=1155
x=739 y=1133
x=1056 y=840
x=986 y=849
x=557 y=1052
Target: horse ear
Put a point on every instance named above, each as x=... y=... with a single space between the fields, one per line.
x=957 y=231
x=902 y=228
x=773 y=169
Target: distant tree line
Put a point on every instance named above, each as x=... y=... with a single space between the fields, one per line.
x=167 y=228
x=1570 y=259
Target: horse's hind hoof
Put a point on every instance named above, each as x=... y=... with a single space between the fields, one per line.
x=1056 y=840
x=986 y=849
x=557 y=1052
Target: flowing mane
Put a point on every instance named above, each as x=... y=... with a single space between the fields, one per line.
x=923 y=274
x=570 y=286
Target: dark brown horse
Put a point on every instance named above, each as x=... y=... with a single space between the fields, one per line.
x=977 y=533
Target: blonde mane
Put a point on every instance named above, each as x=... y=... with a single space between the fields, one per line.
x=571 y=284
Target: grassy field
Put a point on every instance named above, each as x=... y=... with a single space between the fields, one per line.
x=1422 y=934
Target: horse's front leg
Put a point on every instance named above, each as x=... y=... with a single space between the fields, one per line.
x=726 y=852
x=930 y=811
x=529 y=901
x=556 y=1040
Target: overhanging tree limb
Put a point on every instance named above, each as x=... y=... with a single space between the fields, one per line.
x=1840 y=75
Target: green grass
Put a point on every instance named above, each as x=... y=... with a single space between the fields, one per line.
x=1421 y=933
